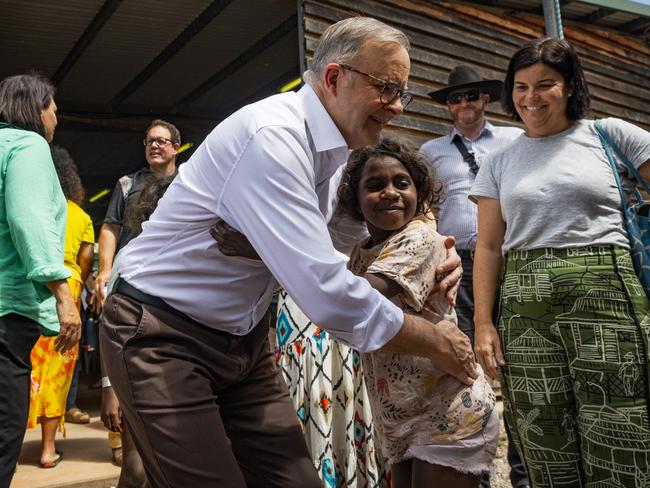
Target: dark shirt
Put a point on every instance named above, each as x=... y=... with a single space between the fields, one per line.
x=126 y=192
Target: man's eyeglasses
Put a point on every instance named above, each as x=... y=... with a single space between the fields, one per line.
x=389 y=90
x=469 y=96
x=160 y=142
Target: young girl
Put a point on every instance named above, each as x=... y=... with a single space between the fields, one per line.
x=433 y=430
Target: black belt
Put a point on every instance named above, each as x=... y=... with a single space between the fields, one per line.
x=466 y=253
x=123 y=288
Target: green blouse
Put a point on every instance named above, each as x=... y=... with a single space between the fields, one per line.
x=32 y=227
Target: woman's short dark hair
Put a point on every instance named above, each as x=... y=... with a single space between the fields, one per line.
x=559 y=55
x=22 y=98
x=427 y=188
x=68 y=175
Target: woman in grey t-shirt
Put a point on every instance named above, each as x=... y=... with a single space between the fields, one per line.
x=571 y=336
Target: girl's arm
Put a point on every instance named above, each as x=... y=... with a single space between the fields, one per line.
x=231 y=242
x=488 y=263
x=85 y=258
x=383 y=284
x=445 y=345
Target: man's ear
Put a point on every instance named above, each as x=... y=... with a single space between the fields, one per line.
x=332 y=77
x=488 y=98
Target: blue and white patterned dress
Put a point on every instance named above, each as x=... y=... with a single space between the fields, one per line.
x=325 y=380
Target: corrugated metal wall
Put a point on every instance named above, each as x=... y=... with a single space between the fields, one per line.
x=446 y=34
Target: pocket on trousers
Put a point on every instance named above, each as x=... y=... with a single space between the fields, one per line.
x=123 y=318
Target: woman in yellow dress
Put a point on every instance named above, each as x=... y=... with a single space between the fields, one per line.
x=51 y=370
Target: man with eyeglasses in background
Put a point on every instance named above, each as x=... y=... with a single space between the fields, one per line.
x=161 y=143
x=456 y=159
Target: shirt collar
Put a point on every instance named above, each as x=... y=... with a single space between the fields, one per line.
x=325 y=135
x=488 y=129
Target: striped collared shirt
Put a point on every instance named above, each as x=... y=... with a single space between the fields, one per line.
x=458 y=215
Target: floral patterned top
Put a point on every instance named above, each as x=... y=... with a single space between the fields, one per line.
x=413 y=402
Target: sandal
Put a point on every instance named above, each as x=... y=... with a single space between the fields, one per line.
x=53 y=464
x=77 y=416
x=117 y=456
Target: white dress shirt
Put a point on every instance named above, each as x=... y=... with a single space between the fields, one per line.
x=266 y=171
x=458 y=215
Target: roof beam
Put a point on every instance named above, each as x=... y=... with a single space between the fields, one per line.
x=636 y=25
x=198 y=24
x=103 y=15
x=270 y=88
x=130 y=123
x=489 y=3
x=628 y=6
x=244 y=58
x=596 y=15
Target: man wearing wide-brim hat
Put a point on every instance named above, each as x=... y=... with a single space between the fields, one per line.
x=457 y=158
x=463 y=78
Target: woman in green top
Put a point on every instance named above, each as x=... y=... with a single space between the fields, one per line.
x=34 y=295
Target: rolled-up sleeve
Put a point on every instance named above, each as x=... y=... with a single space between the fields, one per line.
x=31 y=204
x=270 y=197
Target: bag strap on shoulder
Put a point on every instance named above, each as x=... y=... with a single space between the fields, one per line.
x=468 y=157
x=608 y=144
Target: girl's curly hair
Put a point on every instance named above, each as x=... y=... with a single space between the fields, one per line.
x=68 y=175
x=428 y=188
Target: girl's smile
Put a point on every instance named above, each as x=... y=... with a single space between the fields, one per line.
x=387 y=197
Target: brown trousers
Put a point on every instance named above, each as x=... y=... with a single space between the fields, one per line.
x=206 y=408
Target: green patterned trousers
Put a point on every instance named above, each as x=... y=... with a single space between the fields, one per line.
x=575 y=330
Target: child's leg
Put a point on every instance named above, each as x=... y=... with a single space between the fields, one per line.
x=132 y=474
x=425 y=475
x=401 y=474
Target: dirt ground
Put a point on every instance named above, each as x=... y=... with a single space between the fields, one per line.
x=500 y=476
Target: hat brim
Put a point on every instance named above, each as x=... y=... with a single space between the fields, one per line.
x=492 y=87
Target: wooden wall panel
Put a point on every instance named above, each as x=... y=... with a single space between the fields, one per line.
x=445 y=34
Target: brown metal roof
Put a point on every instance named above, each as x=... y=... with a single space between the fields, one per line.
x=118 y=64
x=137 y=57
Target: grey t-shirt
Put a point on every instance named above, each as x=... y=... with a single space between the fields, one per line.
x=559 y=191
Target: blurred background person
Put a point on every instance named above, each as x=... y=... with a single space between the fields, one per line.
x=161 y=141
x=35 y=297
x=52 y=370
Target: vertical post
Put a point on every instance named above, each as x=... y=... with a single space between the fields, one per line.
x=302 y=51
x=553 y=18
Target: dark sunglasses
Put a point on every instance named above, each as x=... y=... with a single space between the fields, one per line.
x=469 y=96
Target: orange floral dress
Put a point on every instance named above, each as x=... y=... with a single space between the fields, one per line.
x=52 y=371
x=51 y=374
